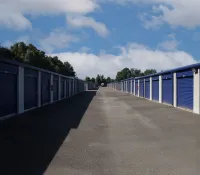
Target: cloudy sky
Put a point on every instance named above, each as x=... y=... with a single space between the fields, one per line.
x=104 y=36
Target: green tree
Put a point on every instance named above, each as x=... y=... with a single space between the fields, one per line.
x=31 y=55
x=87 y=79
x=6 y=53
x=127 y=73
x=136 y=72
x=98 y=80
x=123 y=74
x=93 y=80
x=108 y=80
x=149 y=71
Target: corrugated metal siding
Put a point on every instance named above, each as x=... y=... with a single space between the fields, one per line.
x=133 y=87
x=136 y=87
x=141 y=88
x=45 y=88
x=67 y=86
x=78 y=82
x=62 y=87
x=147 y=88
x=129 y=86
x=72 y=86
x=185 y=91
x=155 y=88
x=8 y=89
x=55 y=87
x=187 y=73
x=167 y=89
x=30 y=88
x=75 y=86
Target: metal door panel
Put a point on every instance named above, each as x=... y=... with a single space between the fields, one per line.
x=185 y=92
x=141 y=88
x=155 y=88
x=167 y=89
x=8 y=93
x=147 y=89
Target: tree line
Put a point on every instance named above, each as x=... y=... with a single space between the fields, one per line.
x=30 y=54
x=128 y=73
x=121 y=75
x=99 y=80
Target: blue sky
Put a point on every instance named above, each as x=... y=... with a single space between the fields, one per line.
x=104 y=36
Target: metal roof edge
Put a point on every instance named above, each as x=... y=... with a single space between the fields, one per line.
x=196 y=65
x=16 y=63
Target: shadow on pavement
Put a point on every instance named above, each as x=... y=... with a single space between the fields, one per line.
x=29 y=142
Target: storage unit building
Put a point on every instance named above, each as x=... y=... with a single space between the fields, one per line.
x=167 y=88
x=185 y=90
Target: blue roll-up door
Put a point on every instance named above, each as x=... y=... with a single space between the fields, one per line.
x=45 y=88
x=67 y=87
x=8 y=89
x=55 y=87
x=133 y=85
x=147 y=88
x=62 y=87
x=155 y=88
x=78 y=83
x=167 y=89
x=129 y=86
x=30 y=88
x=70 y=92
x=185 y=90
x=76 y=86
x=141 y=88
x=72 y=88
x=136 y=87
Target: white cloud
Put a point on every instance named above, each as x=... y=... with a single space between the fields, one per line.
x=183 y=13
x=132 y=56
x=151 y=22
x=57 y=39
x=12 y=12
x=82 y=21
x=84 y=49
x=176 y=13
x=170 y=44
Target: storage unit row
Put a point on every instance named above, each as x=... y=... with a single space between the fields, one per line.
x=25 y=87
x=178 y=87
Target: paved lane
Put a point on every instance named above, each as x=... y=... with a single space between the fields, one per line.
x=120 y=134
